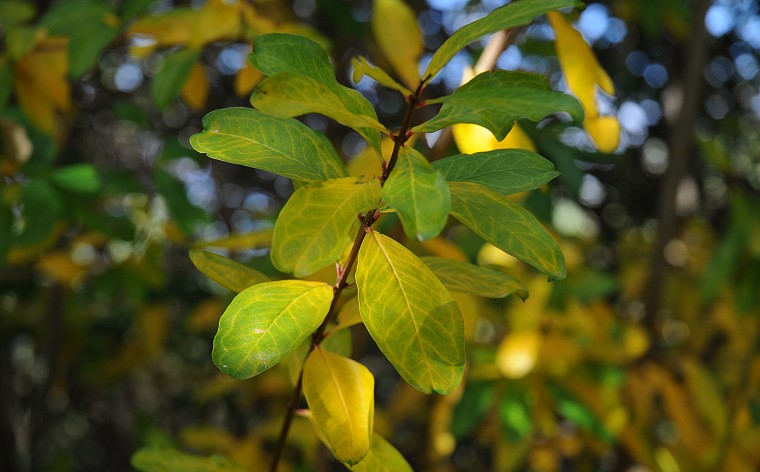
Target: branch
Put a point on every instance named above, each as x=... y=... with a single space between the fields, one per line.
x=681 y=143
x=367 y=221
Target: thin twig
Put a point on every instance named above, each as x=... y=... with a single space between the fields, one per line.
x=367 y=221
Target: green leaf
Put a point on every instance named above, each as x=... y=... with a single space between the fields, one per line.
x=410 y=314
x=6 y=80
x=382 y=457
x=506 y=17
x=362 y=67
x=281 y=145
x=341 y=397
x=225 y=271
x=276 y=53
x=473 y=406
x=420 y=195
x=508 y=226
x=264 y=323
x=288 y=94
x=314 y=226
x=13 y=12
x=167 y=459
x=90 y=25
x=173 y=74
x=505 y=171
x=462 y=277
x=42 y=206
x=82 y=178
x=495 y=100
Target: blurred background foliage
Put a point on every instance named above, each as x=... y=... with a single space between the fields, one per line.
x=645 y=358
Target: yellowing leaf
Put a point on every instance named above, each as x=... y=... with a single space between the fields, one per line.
x=517 y=354
x=473 y=138
x=225 y=271
x=411 y=315
x=277 y=53
x=382 y=457
x=582 y=74
x=340 y=394
x=217 y=20
x=506 y=17
x=281 y=145
x=265 y=322
x=420 y=195
x=394 y=25
x=195 y=90
x=163 y=459
x=467 y=278
x=289 y=94
x=246 y=79
x=362 y=67
x=312 y=228
x=508 y=226
x=41 y=83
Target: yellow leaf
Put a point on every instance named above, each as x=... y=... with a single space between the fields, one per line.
x=517 y=354
x=395 y=28
x=217 y=20
x=246 y=79
x=195 y=90
x=582 y=74
x=472 y=138
x=340 y=394
x=59 y=266
x=41 y=83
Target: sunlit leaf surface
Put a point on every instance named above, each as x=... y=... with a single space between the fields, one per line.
x=264 y=323
x=340 y=394
x=411 y=315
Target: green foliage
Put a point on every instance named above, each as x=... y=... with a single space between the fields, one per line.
x=264 y=323
x=505 y=171
x=420 y=195
x=280 y=145
x=315 y=225
x=508 y=226
x=397 y=249
x=496 y=100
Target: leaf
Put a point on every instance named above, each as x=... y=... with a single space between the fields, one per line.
x=41 y=84
x=216 y=21
x=225 y=271
x=265 y=322
x=15 y=12
x=394 y=25
x=362 y=67
x=420 y=195
x=509 y=16
x=467 y=278
x=341 y=397
x=90 y=26
x=410 y=314
x=281 y=145
x=289 y=94
x=582 y=74
x=382 y=457
x=195 y=90
x=172 y=75
x=81 y=178
x=276 y=53
x=505 y=171
x=495 y=100
x=313 y=227
x=167 y=459
x=508 y=226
